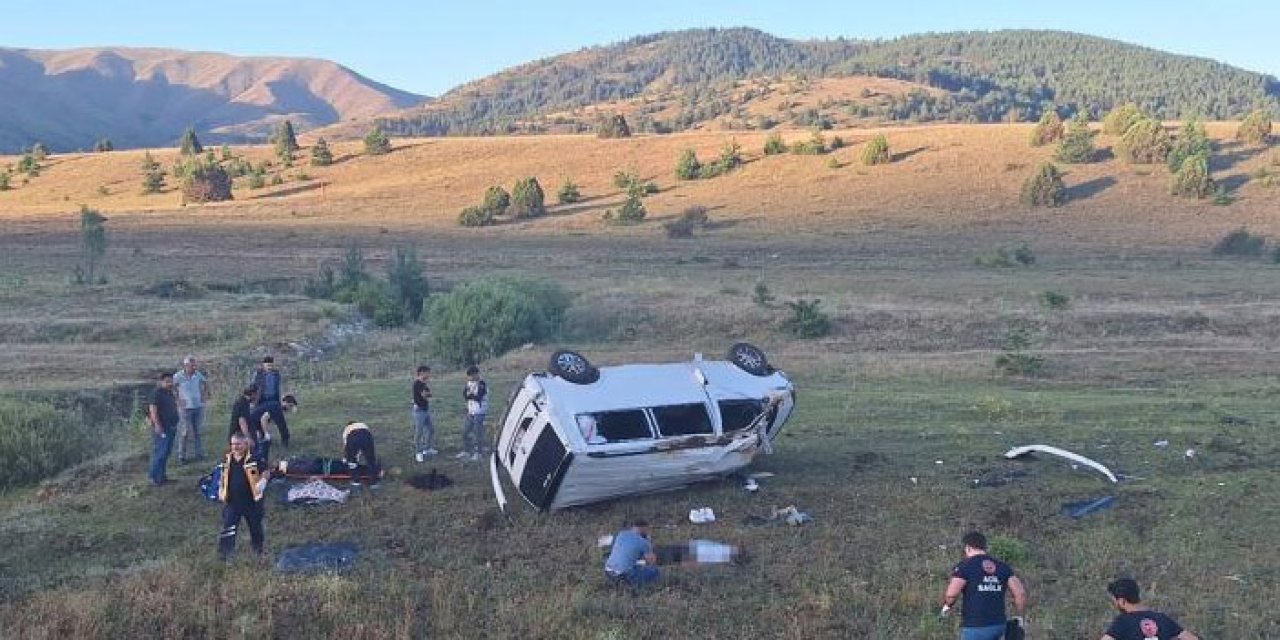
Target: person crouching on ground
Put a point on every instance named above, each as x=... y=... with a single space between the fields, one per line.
x=261 y=417
x=1136 y=621
x=244 y=480
x=982 y=580
x=357 y=445
x=629 y=547
x=476 y=393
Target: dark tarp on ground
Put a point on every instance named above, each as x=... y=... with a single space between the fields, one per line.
x=333 y=556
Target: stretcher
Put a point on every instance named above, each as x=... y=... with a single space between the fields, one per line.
x=305 y=468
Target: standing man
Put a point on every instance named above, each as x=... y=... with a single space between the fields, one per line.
x=241 y=414
x=269 y=398
x=476 y=394
x=162 y=414
x=424 y=428
x=193 y=389
x=260 y=417
x=1136 y=621
x=630 y=546
x=983 y=580
x=244 y=481
x=357 y=450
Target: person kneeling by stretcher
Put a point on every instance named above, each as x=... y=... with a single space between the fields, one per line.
x=357 y=444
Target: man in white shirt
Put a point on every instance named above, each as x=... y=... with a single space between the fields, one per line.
x=193 y=391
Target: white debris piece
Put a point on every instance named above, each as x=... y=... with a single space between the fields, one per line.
x=1017 y=452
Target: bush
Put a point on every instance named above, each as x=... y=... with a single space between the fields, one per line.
x=1055 y=301
x=205 y=182
x=408 y=284
x=1121 y=118
x=40 y=151
x=190 y=144
x=816 y=145
x=1006 y=257
x=257 y=181
x=1192 y=179
x=1045 y=188
x=773 y=145
x=496 y=200
x=568 y=193
x=38 y=440
x=687 y=166
x=376 y=143
x=1255 y=129
x=624 y=179
x=1049 y=129
x=321 y=156
x=488 y=317
x=1240 y=243
x=475 y=217
x=4 y=181
x=1146 y=142
x=1221 y=198
x=527 y=200
x=28 y=164
x=876 y=151
x=614 y=126
x=285 y=141
x=1191 y=141
x=374 y=299
x=632 y=210
x=103 y=145
x=689 y=219
x=761 y=295
x=807 y=319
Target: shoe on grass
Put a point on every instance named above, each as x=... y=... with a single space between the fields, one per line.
x=462 y=455
x=419 y=456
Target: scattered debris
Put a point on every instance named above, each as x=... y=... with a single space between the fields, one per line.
x=1191 y=453
x=1018 y=452
x=1086 y=507
x=1162 y=443
x=306 y=558
x=1001 y=478
x=702 y=515
x=751 y=485
x=791 y=516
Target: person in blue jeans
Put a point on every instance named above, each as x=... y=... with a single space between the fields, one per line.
x=630 y=546
x=163 y=416
x=983 y=581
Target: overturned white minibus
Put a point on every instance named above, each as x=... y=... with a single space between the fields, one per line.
x=579 y=434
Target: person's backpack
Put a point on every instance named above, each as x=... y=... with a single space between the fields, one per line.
x=210 y=483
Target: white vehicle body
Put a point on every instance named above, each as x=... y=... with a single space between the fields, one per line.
x=638 y=428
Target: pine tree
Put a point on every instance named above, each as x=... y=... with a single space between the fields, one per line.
x=1191 y=141
x=1192 y=179
x=377 y=143
x=687 y=167
x=103 y=145
x=404 y=274
x=4 y=181
x=1045 y=188
x=93 y=245
x=320 y=154
x=1121 y=118
x=285 y=140
x=876 y=151
x=1048 y=130
x=1146 y=142
x=1076 y=146
x=152 y=175
x=527 y=199
x=190 y=144
x=1255 y=129
x=614 y=126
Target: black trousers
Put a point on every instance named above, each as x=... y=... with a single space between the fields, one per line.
x=360 y=443
x=232 y=512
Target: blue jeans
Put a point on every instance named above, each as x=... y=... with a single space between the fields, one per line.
x=192 y=422
x=993 y=632
x=640 y=576
x=473 y=433
x=424 y=430
x=161 y=445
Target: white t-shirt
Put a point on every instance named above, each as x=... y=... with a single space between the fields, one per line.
x=189 y=391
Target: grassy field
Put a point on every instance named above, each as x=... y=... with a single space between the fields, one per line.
x=901 y=407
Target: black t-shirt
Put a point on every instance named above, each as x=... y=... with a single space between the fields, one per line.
x=1143 y=625
x=238 y=489
x=166 y=407
x=421 y=395
x=240 y=410
x=985 y=583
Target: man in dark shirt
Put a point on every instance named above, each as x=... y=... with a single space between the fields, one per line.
x=263 y=415
x=270 y=383
x=163 y=415
x=1136 y=621
x=244 y=480
x=424 y=428
x=983 y=580
x=241 y=410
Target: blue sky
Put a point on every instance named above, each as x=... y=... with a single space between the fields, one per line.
x=429 y=46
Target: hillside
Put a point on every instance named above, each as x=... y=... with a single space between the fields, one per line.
x=975 y=77
x=68 y=99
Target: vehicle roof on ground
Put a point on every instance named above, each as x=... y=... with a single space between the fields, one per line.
x=635 y=386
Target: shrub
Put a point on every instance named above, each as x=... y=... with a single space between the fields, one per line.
x=689 y=219
x=321 y=156
x=1006 y=257
x=257 y=181
x=4 y=181
x=1255 y=128
x=624 y=179
x=376 y=143
x=375 y=300
x=1045 y=188
x=687 y=166
x=1024 y=256
x=276 y=180
x=103 y=145
x=1048 y=130
x=761 y=294
x=837 y=143
x=773 y=145
x=40 y=151
x=408 y=284
x=28 y=164
x=286 y=143
x=496 y=200
x=38 y=440
x=488 y=317
x=632 y=210
x=226 y=152
x=527 y=199
x=153 y=175
x=1192 y=179
x=1191 y=141
x=93 y=246
x=876 y=151
x=816 y=145
x=190 y=144
x=1221 y=198
x=1240 y=243
x=1146 y=142
x=475 y=217
x=807 y=319
x=1121 y=118
x=1055 y=301
x=205 y=182
x=614 y=126
x=1016 y=360
x=568 y=193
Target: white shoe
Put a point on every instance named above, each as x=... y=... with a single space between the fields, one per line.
x=431 y=452
x=418 y=457
x=475 y=457
x=462 y=455
x=708 y=515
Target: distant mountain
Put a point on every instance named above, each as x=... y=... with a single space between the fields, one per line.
x=963 y=77
x=146 y=97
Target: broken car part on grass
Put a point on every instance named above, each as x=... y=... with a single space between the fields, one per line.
x=1018 y=452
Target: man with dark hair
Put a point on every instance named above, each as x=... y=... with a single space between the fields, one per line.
x=163 y=415
x=983 y=581
x=269 y=384
x=424 y=428
x=357 y=448
x=476 y=394
x=1136 y=621
x=244 y=481
x=630 y=546
x=241 y=412
x=263 y=415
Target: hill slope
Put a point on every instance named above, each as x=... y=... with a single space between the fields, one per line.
x=984 y=77
x=147 y=97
